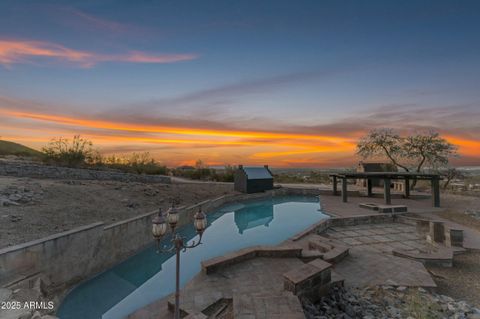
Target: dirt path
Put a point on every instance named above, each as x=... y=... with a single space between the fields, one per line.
x=51 y=206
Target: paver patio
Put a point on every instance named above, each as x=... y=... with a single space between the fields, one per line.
x=254 y=288
x=380 y=237
x=366 y=266
x=334 y=206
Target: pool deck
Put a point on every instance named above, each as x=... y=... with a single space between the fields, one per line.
x=254 y=288
x=334 y=206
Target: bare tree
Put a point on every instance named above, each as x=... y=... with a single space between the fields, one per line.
x=451 y=174
x=411 y=153
x=428 y=148
x=383 y=143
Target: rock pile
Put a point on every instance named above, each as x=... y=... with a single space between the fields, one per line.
x=15 y=195
x=387 y=302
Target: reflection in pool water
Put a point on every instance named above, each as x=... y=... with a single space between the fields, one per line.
x=149 y=276
x=252 y=216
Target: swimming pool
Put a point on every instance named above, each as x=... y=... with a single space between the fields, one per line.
x=148 y=276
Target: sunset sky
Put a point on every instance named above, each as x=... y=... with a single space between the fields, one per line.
x=285 y=83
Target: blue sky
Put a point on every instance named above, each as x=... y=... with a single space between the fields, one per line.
x=286 y=66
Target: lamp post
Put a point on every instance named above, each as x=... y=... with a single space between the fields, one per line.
x=159 y=229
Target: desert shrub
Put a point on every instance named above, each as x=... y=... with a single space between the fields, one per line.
x=72 y=153
x=227 y=175
x=312 y=177
x=79 y=152
x=418 y=306
x=202 y=172
x=139 y=163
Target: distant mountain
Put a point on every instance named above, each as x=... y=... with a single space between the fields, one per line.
x=11 y=148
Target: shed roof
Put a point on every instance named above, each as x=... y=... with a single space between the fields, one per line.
x=257 y=172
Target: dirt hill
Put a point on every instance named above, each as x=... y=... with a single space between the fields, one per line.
x=11 y=148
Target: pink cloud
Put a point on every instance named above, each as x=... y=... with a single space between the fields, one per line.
x=141 y=57
x=99 y=22
x=17 y=51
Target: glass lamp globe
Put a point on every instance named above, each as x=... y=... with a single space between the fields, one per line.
x=200 y=221
x=173 y=217
x=159 y=226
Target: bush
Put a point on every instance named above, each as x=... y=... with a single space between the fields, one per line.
x=79 y=152
x=75 y=153
x=311 y=177
x=202 y=172
x=139 y=163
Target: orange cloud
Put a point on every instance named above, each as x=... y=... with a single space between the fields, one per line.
x=466 y=146
x=257 y=146
x=16 y=51
x=269 y=136
x=177 y=144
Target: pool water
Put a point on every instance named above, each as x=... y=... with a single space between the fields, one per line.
x=148 y=276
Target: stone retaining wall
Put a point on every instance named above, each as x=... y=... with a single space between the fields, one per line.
x=363 y=219
x=71 y=256
x=33 y=170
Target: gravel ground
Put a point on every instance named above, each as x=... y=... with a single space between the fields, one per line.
x=461 y=209
x=388 y=302
x=462 y=281
x=35 y=208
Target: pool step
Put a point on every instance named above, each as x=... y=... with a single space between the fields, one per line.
x=331 y=250
x=309 y=255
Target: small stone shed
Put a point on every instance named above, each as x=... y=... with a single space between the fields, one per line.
x=374 y=167
x=253 y=179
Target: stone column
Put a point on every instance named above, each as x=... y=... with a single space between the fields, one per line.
x=334 y=185
x=386 y=191
x=369 y=187
x=435 y=192
x=407 y=187
x=344 y=189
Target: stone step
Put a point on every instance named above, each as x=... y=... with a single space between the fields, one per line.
x=332 y=251
x=282 y=305
x=195 y=301
x=336 y=254
x=442 y=257
x=384 y=208
x=309 y=280
x=219 y=308
x=309 y=255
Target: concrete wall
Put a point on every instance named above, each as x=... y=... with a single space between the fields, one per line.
x=25 y=169
x=71 y=256
x=61 y=257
